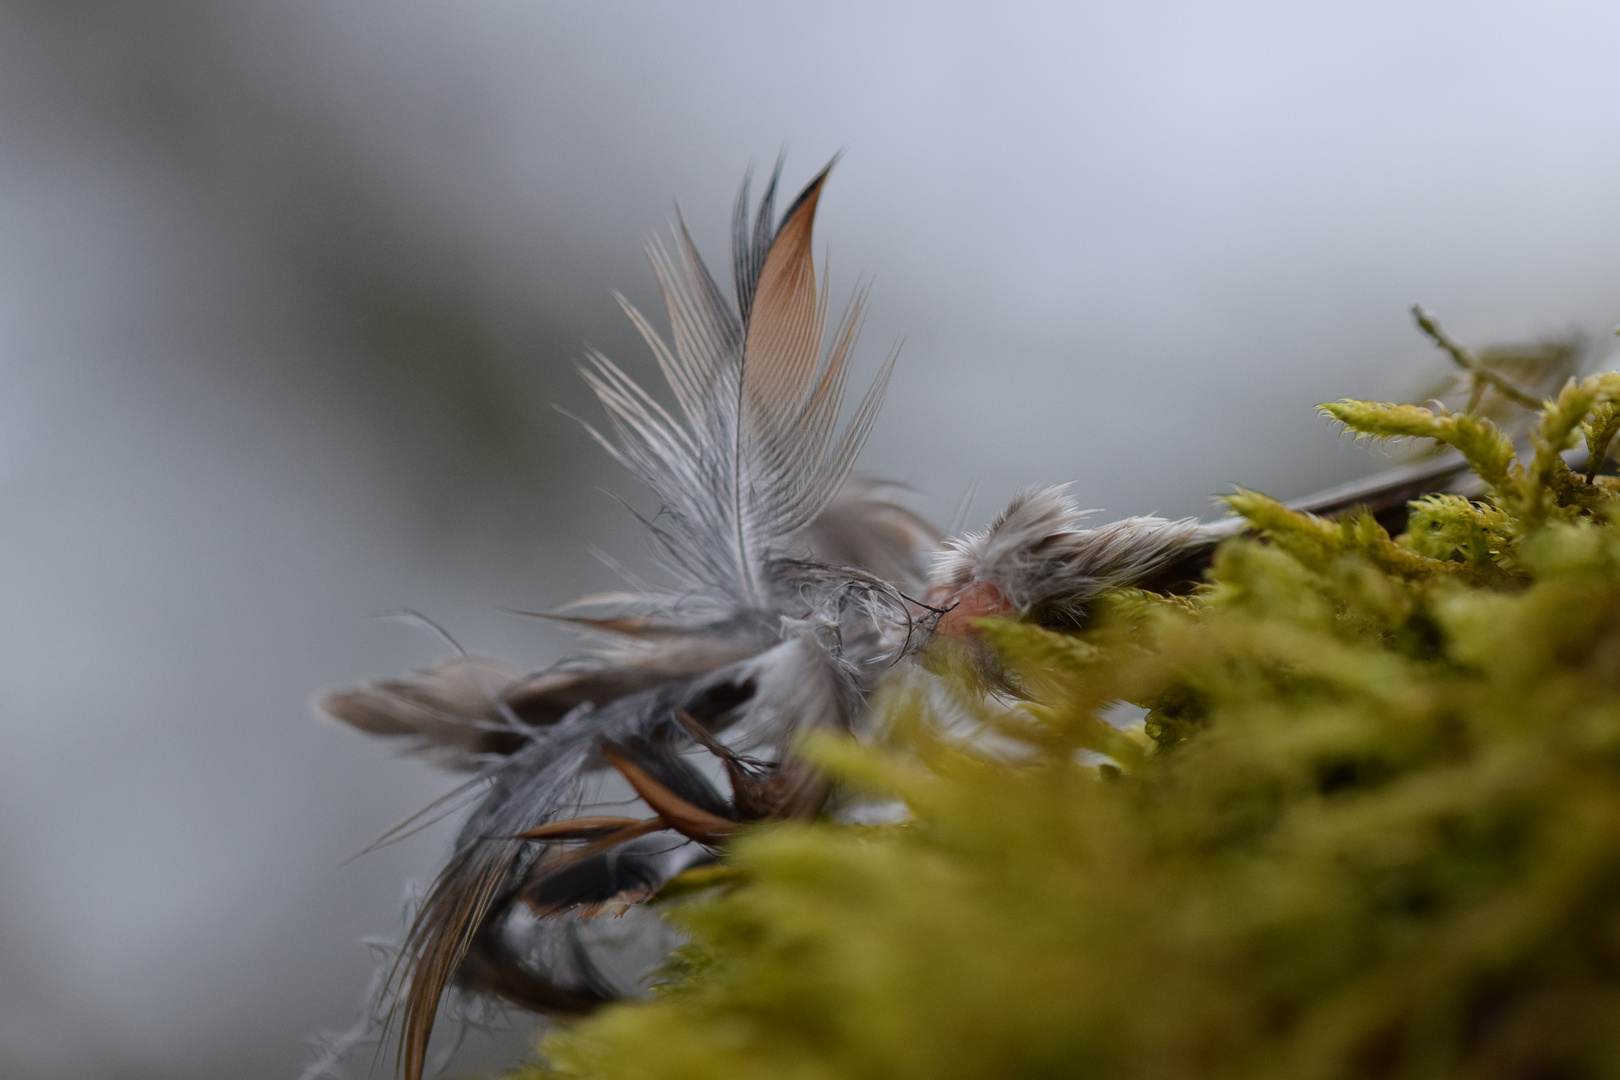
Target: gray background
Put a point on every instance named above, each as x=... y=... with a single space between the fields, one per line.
x=287 y=289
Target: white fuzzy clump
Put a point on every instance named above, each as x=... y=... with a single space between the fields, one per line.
x=1045 y=565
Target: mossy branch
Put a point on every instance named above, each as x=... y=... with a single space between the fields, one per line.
x=1487 y=449
x=1481 y=375
x=1600 y=432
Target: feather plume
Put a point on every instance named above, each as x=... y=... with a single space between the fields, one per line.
x=756 y=454
x=450 y=712
x=759 y=639
x=1036 y=561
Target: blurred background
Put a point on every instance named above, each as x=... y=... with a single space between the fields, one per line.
x=287 y=291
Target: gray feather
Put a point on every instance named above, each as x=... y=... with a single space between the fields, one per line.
x=863 y=529
x=450 y=712
x=1043 y=564
x=784 y=614
x=756 y=453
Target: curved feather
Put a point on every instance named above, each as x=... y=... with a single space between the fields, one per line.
x=755 y=453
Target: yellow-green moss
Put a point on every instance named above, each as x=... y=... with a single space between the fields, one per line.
x=1370 y=828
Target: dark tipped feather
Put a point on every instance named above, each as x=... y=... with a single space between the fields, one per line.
x=493 y=967
x=756 y=454
x=707 y=824
x=1036 y=559
x=748 y=249
x=622 y=874
x=466 y=709
x=546 y=698
x=659 y=763
x=787 y=324
x=451 y=711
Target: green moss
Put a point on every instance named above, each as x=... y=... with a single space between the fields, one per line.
x=1370 y=827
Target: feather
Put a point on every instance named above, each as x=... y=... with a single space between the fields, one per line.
x=786 y=611
x=1036 y=561
x=862 y=529
x=681 y=797
x=450 y=712
x=466 y=710
x=618 y=875
x=492 y=966
x=770 y=696
x=756 y=455
x=648 y=766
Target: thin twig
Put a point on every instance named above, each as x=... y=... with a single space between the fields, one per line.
x=1467 y=362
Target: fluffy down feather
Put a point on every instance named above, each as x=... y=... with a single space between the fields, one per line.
x=1036 y=561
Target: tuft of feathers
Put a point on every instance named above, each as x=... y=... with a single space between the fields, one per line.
x=1036 y=561
x=787 y=608
x=450 y=713
x=756 y=454
x=796 y=590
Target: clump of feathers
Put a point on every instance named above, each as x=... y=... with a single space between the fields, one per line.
x=796 y=592
x=1036 y=560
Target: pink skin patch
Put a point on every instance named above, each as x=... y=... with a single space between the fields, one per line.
x=976 y=600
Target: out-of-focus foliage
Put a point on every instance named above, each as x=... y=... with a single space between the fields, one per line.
x=1500 y=381
x=1370 y=826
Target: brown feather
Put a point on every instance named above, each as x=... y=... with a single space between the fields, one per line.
x=589 y=827
x=460 y=709
x=793 y=790
x=452 y=709
x=761 y=793
x=547 y=867
x=686 y=819
x=440 y=938
x=785 y=327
